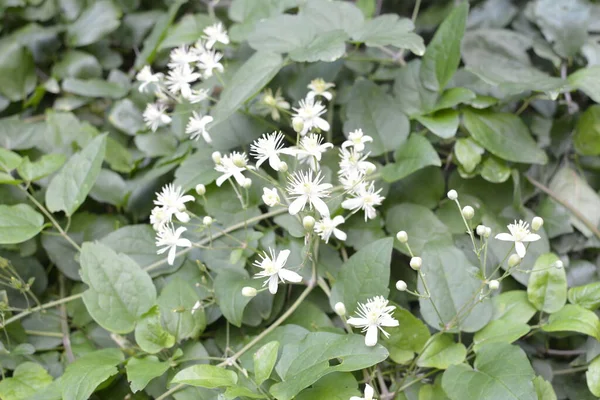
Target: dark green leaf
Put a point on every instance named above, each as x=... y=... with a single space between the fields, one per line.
x=83 y=376
x=416 y=153
x=17 y=70
x=207 y=376
x=19 y=223
x=499 y=331
x=140 y=371
x=95 y=22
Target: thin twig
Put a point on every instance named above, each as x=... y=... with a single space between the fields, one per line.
x=64 y=322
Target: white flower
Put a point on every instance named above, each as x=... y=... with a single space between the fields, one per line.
x=372 y=316
x=519 y=233
x=215 y=33
x=310 y=113
x=272 y=103
x=311 y=149
x=180 y=56
x=325 y=227
x=366 y=199
x=209 y=61
x=369 y=393
x=308 y=190
x=172 y=200
x=170 y=239
x=272 y=269
x=357 y=139
x=270 y=197
x=159 y=217
x=196 y=127
x=353 y=181
x=318 y=87
x=352 y=160
x=268 y=147
x=147 y=77
x=196 y=96
x=232 y=165
x=179 y=79
x=155 y=116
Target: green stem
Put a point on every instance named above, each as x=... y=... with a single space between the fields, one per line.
x=40 y=308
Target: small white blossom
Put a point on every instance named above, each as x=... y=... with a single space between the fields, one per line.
x=327 y=226
x=232 y=165
x=273 y=269
x=209 y=61
x=519 y=233
x=353 y=181
x=354 y=161
x=372 y=316
x=309 y=113
x=215 y=33
x=369 y=393
x=196 y=127
x=170 y=239
x=452 y=195
x=146 y=77
x=318 y=87
x=272 y=103
x=366 y=199
x=357 y=139
x=311 y=149
x=268 y=147
x=159 y=217
x=172 y=200
x=181 y=56
x=155 y=116
x=196 y=96
x=270 y=197
x=179 y=79
x=305 y=189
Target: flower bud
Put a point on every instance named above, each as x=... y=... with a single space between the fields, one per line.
x=340 y=309
x=371 y=168
x=248 y=291
x=401 y=285
x=270 y=196
x=308 y=222
x=247 y=183
x=207 y=221
x=559 y=264
x=514 y=260
x=183 y=217
x=238 y=160
x=402 y=236
x=298 y=124
x=493 y=284
x=200 y=189
x=452 y=195
x=415 y=263
x=537 y=223
x=488 y=232
x=283 y=167
x=468 y=212
x=480 y=230
x=216 y=156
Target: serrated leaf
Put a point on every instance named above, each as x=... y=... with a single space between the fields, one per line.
x=441 y=351
x=140 y=371
x=83 y=376
x=19 y=223
x=207 y=376
x=47 y=164
x=416 y=153
x=96 y=21
x=264 y=361
x=547 y=287
x=574 y=318
x=150 y=334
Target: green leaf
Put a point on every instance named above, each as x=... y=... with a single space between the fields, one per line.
x=199 y=168
x=47 y=164
x=150 y=334
x=433 y=392
x=158 y=33
x=281 y=34
x=126 y=117
x=442 y=56
x=304 y=362
x=592 y=376
x=547 y=287
x=119 y=290
x=83 y=376
x=452 y=286
x=249 y=79
x=19 y=223
x=495 y=170
x=504 y=135
x=543 y=389
x=587 y=132
x=441 y=351
x=228 y=292
x=376 y=113
x=501 y=371
x=17 y=70
x=390 y=30
x=586 y=296
x=207 y=376
x=332 y=15
x=573 y=318
x=26 y=380
x=335 y=386
x=499 y=331
x=328 y=47
x=77 y=64
x=513 y=306
x=69 y=188
x=407 y=338
x=9 y=160
x=453 y=97
x=94 y=88
x=416 y=153
x=176 y=301
x=187 y=30
x=443 y=123
x=366 y=274
x=140 y=371
x=585 y=80
x=413 y=98
x=264 y=361
x=95 y=22
x=468 y=153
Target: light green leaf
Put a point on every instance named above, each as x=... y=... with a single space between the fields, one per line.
x=499 y=331
x=501 y=371
x=228 y=292
x=9 y=160
x=119 y=290
x=335 y=386
x=17 y=70
x=77 y=64
x=504 y=135
x=441 y=351
x=264 y=361
x=140 y=371
x=26 y=380
x=592 y=376
x=513 y=306
x=468 y=153
x=94 y=88
x=587 y=132
x=328 y=47
x=304 y=362
x=110 y=188
x=366 y=274
x=153 y=40
x=547 y=287
x=433 y=392
x=452 y=285
x=586 y=296
x=416 y=153
x=543 y=389
x=585 y=79
x=187 y=30
x=95 y=22
x=390 y=30
x=83 y=376
x=453 y=97
x=207 y=376
x=413 y=98
x=176 y=301
x=443 y=123
x=494 y=170
x=69 y=188
x=376 y=113
x=197 y=168
x=442 y=56
x=332 y=15
x=44 y=166
x=406 y=339
x=19 y=223
x=126 y=117
x=150 y=334
x=574 y=318
x=282 y=34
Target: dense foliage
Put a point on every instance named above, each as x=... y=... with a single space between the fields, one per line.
x=299 y=199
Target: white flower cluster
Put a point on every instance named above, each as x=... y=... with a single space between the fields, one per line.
x=187 y=65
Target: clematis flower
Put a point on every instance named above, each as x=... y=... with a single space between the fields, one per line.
x=215 y=33
x=372 y=317
x=273 y=269
x=318 y=87
x=146 y=77
x=232 y=166
x=365 y=199
x=196 y=127
x=309 y=114
x=209 y=61
x=519 y=233
x=170 y=239
x=172 y=200
x=357 y=139
x=307 y=189
x=327 y=226
x=155 y=116
x=311 y=150
x=268 y=147
x=270 y=197
x=179 y=80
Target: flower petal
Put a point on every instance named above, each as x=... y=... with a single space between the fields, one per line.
x=340 y=234
x=320 y=206
x=371 y=336
x=172 y=254
x=507 y=237
x=520 y=249
x=289 y=276
x=532 y=237
x=358 y=322
x=273 y=284
x=297 y=205
x=282 y=257
x=369 y=392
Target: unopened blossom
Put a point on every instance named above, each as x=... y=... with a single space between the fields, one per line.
x=196 y=127
x=146 y=77
x=519 y=233
x=179 y=80
x=311 y=149
x=327 y=226
x=357 y=139
x=215 y=33
x=372 y=317
x=267 y=148
x=181 y=56
x=366 y=199
x=196 y=307
x=270 y=197
x=273 y=269
x=309 y=114
x=318 y=87
x=272 y=103
x=209 y=61
x=155 y=116
x=197 y=95
x=308 y=190
x=172 y=200
x=232 y=166
x=369 y=393
x=159 y=217
x=169 y=239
